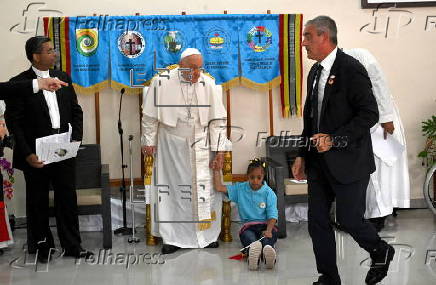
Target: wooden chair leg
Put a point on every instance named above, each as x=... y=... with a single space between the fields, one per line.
x=149 y=238
x=226 y=235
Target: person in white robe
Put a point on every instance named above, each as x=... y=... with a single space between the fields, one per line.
x=184 y=126
x=389 y=185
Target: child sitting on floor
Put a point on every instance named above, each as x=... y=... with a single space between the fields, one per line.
x=257 y=207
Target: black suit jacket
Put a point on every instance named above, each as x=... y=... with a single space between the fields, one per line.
x=28 y=118
x=6 y=88
x=348 y=111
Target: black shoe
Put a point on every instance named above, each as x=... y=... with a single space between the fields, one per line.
x=78 y=252
x=214 y=244
x=43 y=256
x=168 y=248
x=324 y=280
x=381 y=258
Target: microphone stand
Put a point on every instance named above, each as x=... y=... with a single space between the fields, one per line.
x=133 y=238
x=124 y=230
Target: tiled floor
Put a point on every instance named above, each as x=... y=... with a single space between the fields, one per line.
x=413 y=234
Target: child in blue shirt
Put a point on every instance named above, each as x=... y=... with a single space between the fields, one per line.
x=257 y=207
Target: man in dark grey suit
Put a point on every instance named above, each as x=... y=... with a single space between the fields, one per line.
x=36 y=116
x=339 y=111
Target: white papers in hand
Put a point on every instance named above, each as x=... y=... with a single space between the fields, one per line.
x=56 y=147
x=389 y=149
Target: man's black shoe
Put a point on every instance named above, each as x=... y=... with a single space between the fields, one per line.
x=78 y=252
x=214 y=244
x=324 y=280
x=380 y=260
x=43 y=256
x=168 y=248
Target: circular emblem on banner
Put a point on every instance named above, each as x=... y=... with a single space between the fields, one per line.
x=217 y=40
x=259 y=39
x=131 y=44
x=86 y=41
x=173 y=41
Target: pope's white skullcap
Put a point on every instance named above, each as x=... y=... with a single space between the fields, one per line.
x=188 y=52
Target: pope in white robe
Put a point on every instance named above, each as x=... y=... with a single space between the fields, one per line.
x=184 y=126
x=389 y=185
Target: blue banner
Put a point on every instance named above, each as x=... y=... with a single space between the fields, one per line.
x=259 y=46
x=89 y=54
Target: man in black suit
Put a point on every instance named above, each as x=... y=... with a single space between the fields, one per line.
x=339 y=111
x=36 y=116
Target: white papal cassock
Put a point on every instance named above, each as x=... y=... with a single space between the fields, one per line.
x=389 y=185
x=186 y=122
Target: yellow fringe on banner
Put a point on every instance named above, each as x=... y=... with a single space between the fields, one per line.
x=231 y=83
x=91 y=89
x=129 y=90
x=206 y=226
x=261 y=86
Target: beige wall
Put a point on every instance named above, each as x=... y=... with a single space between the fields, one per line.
x=406 y=54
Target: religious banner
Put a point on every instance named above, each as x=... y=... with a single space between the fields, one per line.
x=131 y=49
x=83 y=51
x=218 y=42
x=259 y=46
x=256 y=51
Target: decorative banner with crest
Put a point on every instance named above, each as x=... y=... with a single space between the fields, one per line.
x=256 y=51
x=83 y=51
x=259 y=46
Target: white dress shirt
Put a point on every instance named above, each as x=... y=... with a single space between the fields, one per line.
x=50 y=98
x=326 y=64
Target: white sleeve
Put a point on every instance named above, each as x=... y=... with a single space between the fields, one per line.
x=381 y=93
x=35 y=85
x=2 y=109
x=149 y=131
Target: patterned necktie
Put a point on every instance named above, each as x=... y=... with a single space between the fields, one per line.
x=314 y=100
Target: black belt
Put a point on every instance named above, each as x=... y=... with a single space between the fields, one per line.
x=55 y=131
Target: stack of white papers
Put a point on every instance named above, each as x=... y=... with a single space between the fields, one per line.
x=56 y=147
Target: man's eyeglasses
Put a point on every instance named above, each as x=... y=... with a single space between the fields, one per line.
x=50 y=51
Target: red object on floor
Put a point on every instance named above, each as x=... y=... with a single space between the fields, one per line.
x=4 y=234
x=239 y=256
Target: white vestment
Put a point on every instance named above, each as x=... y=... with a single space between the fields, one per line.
x=389 y=185
x=186 y=122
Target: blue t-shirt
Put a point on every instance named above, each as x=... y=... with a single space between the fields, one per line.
x=253 y=206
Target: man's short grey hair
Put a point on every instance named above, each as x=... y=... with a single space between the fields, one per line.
x=325 y=24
